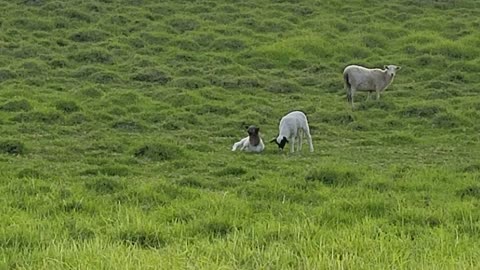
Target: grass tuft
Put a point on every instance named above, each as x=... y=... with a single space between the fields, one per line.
x=283 y=87
x=472 y=168
x=108 y=171
x=29 y=173
x=78 y=232
x=73 y=206
x=12 y=147
x=421 y=110
x=217 y=228
x=91 y=35
x=128 y=126
x=181 y=25
x=67 y=106
x=337 y=118
x=152 y=76
x=143 y=239
x=93 y=56
x=6 y=74
x=158 y=152
x=39 y=117
x=332 y=177
x=446 y=121
x=16 y=106
x=189 y=82
x=105 y=185
x=470 y=191
x=377 y=104
x=234 y=171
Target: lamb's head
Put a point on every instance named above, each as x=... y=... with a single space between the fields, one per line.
x=254 y=138
x=280 y=141
x=391 y=70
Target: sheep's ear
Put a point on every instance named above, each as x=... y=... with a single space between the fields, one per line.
x=398 y=68
x=246 y=127
x=257 y=129
x=385 y=67
x=274 y=140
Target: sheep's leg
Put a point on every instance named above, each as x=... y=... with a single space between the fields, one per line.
x=242 y=144
x=309 y=138
x=292 y=145
x=235 y=146
x=300 y=135
x=352 y=94
x=310 y=143
x=368 y=95
x=378 y=94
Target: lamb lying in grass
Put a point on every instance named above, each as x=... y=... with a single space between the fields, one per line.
x=365 y=79
x=252 y=143
x=291 y=128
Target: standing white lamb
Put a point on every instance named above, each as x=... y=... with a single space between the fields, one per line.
x=365 y=79
x=291 y=128
x=252 y=143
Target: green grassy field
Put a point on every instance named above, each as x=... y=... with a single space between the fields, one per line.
x=117 y=119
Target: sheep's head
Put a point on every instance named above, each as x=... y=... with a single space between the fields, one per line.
x=280 y=144
x=254 y=138
x=391 y=70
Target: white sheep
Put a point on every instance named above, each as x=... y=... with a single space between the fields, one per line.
x=291 y=128
x=252 y=143
x=365 y=79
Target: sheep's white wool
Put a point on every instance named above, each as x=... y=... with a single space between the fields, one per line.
x=358 y=78
x=291 y=128
x=244 y=145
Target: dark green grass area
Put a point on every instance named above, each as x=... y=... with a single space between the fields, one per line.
x=117 y=120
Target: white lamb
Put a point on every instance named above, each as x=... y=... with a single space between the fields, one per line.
x=365 y=79
x=252 y=143
x=291 y=128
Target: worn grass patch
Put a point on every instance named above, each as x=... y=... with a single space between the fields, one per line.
x=332 y=177
x=158 y=152
x=12 y=147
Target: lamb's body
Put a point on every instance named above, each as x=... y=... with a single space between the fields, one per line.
x=358 y=78
x=252 y=143
x=291 y=128
x=245 y=145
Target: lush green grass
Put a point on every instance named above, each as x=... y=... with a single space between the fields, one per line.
x=117 y=119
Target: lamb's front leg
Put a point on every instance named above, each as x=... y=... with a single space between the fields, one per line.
x=245 y=145
x=292 y=145
x=235 y=146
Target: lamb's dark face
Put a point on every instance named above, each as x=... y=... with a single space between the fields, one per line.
x=282 y=143
x=253 y=134
x=253 y=130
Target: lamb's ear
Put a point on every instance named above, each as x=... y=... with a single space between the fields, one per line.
x=385 y=67
x=398 y=68
x=246 y=127
x=274 y=140
x=257 y=129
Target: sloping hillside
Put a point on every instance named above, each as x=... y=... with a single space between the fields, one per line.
x=117 y=119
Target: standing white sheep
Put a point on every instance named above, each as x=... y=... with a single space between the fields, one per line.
x=365 y=79
x=291 y=128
